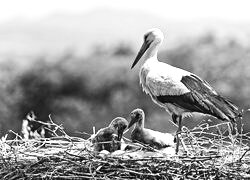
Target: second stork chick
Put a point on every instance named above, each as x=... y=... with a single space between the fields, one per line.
x=106 y=138
x=150 y=137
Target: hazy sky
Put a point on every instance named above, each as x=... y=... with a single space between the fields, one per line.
x=230 y=10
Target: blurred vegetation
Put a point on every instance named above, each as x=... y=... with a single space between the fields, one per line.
x=82 y=92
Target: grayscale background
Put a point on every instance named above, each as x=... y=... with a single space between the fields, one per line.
x=72 y=59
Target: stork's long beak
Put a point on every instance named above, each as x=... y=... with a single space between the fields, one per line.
x=143 y=49
x=132 y=121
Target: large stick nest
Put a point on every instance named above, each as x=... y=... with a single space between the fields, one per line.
x=65 y=157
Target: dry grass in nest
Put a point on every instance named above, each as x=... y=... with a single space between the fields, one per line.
x=209 y=156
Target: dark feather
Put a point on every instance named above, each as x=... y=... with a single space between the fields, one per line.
x=204 y=99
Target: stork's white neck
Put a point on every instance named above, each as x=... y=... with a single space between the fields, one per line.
x=152 y=52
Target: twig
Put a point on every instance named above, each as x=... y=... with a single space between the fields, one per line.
x=138 y=173
x=243 y=154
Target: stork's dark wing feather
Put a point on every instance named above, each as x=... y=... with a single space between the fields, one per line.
x=202 y=98
x=193 y=82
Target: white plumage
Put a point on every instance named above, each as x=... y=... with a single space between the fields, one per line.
x=153 y=138
x=177 y=90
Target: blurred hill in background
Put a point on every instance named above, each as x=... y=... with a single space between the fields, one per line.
x=104 y=27
x=77 y=67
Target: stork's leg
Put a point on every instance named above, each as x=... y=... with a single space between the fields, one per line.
x=233 y=131
x=174 y=118
x=234 y=124
x=178 y=135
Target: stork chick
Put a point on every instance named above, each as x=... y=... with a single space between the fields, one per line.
x=106 y=139
x=153 y=138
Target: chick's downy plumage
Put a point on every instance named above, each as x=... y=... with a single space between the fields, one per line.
x=109 y=138
x=147 y=136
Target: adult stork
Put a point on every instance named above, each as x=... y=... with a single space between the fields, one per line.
x=178 y=91
x=141 y=134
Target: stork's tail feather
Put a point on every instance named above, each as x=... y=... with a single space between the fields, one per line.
x=227 y=108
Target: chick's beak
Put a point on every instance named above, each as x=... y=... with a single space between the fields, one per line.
x=132 y=121
x=120 y=133
x=143 y=49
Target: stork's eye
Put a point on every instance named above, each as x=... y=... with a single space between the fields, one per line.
x=145 y=37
